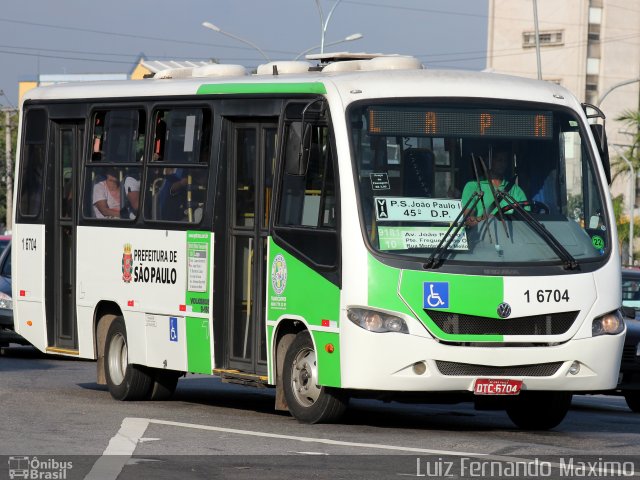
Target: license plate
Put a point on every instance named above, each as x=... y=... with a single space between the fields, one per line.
x=497 y=386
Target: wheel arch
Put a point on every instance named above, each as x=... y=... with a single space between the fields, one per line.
x=284 y=334
x=105 y=313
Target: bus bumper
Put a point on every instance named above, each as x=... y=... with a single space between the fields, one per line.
x=385 y=362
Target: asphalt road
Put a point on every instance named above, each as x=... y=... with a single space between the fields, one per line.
x=53 y=410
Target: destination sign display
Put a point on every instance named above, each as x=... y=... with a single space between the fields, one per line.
x=425 y=122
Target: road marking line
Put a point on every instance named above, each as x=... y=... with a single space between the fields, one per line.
x=119 y=450
x=325 y=441
x=121 y=447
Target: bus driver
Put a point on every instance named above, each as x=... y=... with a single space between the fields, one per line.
x=497 y=171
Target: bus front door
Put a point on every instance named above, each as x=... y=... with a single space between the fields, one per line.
x=60 y=244
x=251 y=162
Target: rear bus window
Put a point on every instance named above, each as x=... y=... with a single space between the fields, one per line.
x=33 y=158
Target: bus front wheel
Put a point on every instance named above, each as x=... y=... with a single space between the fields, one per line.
x=307 y=401
x=124 y=380
x=534 y=410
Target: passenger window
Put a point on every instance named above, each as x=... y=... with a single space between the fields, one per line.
x=181 y=135
x=177 y=174
x=309 y=199
x=113 y=174
x=307 y=208
x=33 y=162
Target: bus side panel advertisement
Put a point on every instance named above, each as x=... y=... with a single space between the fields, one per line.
x=294 y=289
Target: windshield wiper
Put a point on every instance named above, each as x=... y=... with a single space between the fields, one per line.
x=570 y=263
x=434 y=259
x=478 y=196
x=496 y=201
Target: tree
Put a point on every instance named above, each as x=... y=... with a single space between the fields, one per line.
x=630 y=118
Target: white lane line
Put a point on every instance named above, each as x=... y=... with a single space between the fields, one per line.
x=326 y=441
x=119 y=450
x=121 y=447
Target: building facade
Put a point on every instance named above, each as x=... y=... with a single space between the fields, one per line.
x=590 y=47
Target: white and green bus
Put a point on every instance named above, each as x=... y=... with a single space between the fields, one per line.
x=331 y=229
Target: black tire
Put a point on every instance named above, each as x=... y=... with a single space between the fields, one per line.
x=308 y=402
x=164 y=384
x=633 y=399
x=539 y=410
x=125 y=381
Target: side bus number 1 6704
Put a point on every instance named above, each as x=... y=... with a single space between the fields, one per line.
x=547 y=296
x=29 y=244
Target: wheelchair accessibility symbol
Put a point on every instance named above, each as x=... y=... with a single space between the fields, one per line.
x=173 y=329
x=435 y=295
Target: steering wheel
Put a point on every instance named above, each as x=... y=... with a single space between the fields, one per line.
x=534 y=207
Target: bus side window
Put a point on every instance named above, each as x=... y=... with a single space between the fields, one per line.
x=112 y=181
x=307 y=204
x=176 y=177
x=33 y=158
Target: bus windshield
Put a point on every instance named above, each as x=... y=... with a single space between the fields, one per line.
x=484 y=183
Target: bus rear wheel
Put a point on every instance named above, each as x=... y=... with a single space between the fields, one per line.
x=539 y=410
x=164 y=384
x=307 y=401
x=124 y=380
x=633 y=399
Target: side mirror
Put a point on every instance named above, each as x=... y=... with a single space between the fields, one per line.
x=603 y=148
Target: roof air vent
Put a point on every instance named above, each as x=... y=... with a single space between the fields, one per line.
x=284 y=67
x=219 y=70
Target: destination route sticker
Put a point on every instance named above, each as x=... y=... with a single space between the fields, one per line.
x=394 y=209
x=406 y=238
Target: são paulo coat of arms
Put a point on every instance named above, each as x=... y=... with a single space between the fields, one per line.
x=127 y=264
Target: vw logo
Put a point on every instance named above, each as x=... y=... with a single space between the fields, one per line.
x=504 y=310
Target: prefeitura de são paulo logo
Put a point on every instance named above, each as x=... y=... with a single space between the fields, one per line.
x=279 y=274
x=127 y=264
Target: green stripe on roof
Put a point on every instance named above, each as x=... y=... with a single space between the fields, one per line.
x=308 y=87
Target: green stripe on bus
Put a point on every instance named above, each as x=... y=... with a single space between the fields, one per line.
x=468 y=294
x=255 y=88
x=295 y=290
x=198 y=345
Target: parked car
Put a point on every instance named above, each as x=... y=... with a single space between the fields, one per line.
x=629 y=381
x=5 y=240
x=7 y=333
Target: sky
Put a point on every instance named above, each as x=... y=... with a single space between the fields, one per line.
x=84 y=36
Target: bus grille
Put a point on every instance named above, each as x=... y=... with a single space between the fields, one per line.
x=455 y=369
x=629 y=354
x=455 y=323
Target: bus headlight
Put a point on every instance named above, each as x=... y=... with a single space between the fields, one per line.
x=6 y=301
x=375 y=321
x=608 y=324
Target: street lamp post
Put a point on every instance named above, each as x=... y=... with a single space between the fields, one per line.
x=324 y=23
x=350 y=38
x=215 y=28
x=537 y=33
x=617 y=85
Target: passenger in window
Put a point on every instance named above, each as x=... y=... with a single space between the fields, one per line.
x=106 y=196
x=131 y=196
x=173 y=195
